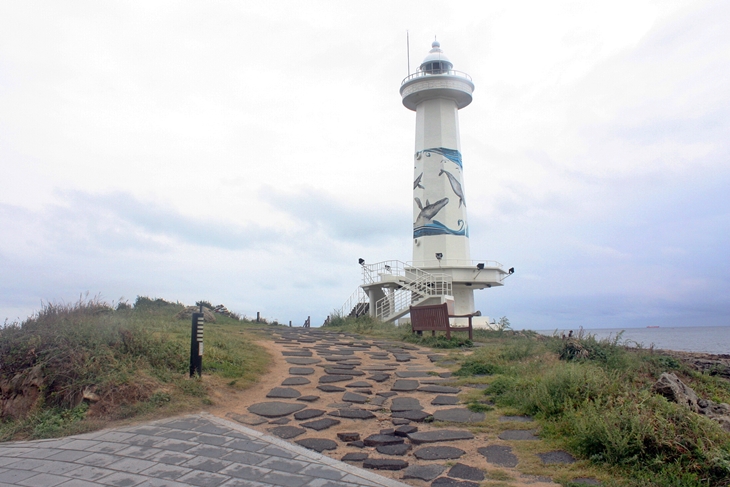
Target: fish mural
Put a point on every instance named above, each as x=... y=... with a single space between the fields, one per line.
x=417 y=182
x=455 y=185
x=429 y=211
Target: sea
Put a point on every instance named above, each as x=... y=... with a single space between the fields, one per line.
x=707 y=339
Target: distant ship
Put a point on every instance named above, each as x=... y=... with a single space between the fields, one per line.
x=653 y=326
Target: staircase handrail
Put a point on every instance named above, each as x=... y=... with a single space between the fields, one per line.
x=357 y=297
x=424 y=286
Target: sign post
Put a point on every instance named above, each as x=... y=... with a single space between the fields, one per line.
x=196 y=344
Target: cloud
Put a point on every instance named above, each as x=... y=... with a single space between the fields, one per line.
x=368 y=223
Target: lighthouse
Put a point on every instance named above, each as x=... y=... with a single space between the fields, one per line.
x=442 y=269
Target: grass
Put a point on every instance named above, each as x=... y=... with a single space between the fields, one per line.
x=89 y=363
x=593 y=398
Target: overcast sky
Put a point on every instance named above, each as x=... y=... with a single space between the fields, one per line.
x=248 y=153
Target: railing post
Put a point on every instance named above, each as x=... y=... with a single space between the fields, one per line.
x=196 y=344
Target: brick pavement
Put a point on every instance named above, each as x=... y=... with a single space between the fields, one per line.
x=198 y=450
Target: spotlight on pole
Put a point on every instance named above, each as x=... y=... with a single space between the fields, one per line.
x=361 y=261
x=511 y=270
x=480 y=266
x=439 y=255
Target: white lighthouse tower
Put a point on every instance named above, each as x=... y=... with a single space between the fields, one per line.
x=442 y=269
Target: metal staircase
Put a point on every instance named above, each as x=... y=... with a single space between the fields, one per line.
x=401 y=286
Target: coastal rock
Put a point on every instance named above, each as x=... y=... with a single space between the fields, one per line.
x=677 y=391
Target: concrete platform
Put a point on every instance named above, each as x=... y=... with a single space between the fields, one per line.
x=199 y=450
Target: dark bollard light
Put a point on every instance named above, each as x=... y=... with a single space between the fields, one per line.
x=196 y=344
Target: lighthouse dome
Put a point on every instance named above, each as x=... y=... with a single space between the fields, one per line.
x=436 y=61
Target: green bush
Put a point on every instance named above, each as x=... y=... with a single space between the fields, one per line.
x=477 y=367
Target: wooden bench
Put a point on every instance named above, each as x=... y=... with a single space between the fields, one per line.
x=436 y=318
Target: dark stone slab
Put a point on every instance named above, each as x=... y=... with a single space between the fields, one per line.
x=379 y=368
x=348 y=436
x=401 y=357
x=439 y=389
x=405 y=385
x=302 y=361
x=436 y=436
x=308 y=398
x=287 y=432
x=461 y=471
x=317 y=444
x=384 y=464
x=400 y=421
x=436 y=357
x=586 y=481
x=343 y=372
x=308 y=414
x=339 y=366
x=296 y=353
x=405 y=404
x=445 y=401
x=518 y=419
x=522 y=435
x=458 y=415
x=275 y=409
x=556 y=457
x=295 y=381
x=445 y=375
x=434 y=381
x=280 y=421
x=397 y=450
x=387 y=394
x=405 y=374
x=378 y=401
x=405 y=430
x=449 y=482
x=499 y=455
x=415 y=415
x=360 y=383
x=438 y=453
x=477 y=386
x=354 y=457
x=328 y=379
x=379 y=440
x=356 y=398
x=352 y=413
x=379 y=377
x=246 y=419
x=423 y=472
x=301 y=370
x=357 y=444
x=337 y=358
x=321 y=424
x=284 y=393
x=327 y=388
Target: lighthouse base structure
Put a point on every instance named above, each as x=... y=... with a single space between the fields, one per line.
x=389 y=288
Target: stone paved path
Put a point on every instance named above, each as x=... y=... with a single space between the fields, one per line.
x=384 y=413
x=385 y=406
x=198 y=450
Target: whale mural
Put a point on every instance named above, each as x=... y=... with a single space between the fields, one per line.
x=417 y=182
x=429 y=211
x=455 y=185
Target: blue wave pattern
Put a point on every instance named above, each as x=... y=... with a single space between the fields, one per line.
x=450 y=154
x=438 y=228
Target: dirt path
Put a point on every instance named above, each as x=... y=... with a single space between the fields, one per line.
x=328 y=376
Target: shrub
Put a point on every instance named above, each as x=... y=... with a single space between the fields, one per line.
x=477 y=367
